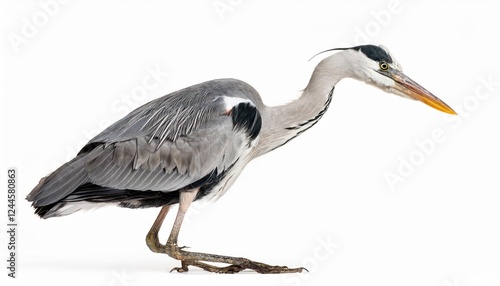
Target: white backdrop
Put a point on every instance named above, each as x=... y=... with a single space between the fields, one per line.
x=323 y=201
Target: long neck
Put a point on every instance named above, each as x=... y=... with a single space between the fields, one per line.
x=281 y=124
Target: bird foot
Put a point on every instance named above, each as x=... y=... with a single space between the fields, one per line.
x=207 y=267
x=235 y=268
x=237 y=264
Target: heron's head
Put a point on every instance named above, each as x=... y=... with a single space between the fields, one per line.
x=376 y=66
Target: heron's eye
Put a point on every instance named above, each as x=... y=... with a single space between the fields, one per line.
x=384 y=66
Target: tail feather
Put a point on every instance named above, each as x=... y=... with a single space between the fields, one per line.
x=89 y=196
x=60 y=183
x=69 y=189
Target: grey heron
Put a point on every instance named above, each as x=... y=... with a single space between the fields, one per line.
x=194 y=143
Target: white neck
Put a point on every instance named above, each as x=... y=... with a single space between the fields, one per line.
x=282 y=123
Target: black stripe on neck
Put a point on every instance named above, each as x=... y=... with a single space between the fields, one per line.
x=311 y=121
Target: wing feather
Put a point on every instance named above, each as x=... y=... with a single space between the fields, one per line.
x=214 y=146
x=167 y=144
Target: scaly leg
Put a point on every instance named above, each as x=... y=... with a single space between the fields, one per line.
x=152 y=238
x=237 y=264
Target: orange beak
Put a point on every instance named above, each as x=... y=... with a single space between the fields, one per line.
x=406 y=85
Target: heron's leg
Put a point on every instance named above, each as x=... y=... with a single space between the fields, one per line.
x=152 y=237
x=187 y=258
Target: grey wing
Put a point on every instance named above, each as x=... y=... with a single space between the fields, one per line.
x=167 y=144
x=137 y=164
x=178 y=113
x=176 y=140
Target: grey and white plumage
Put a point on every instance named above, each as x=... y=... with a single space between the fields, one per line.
x=203 y=136
x=186 y=139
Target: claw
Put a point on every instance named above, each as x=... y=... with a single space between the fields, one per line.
x=181 y=269
x=178 y=269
